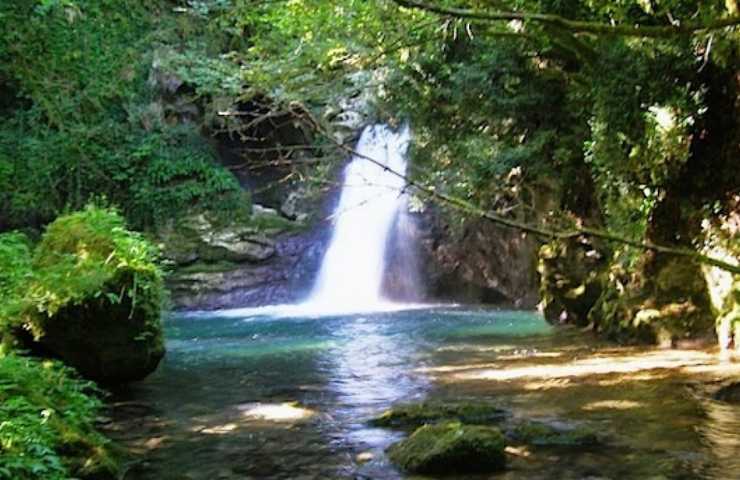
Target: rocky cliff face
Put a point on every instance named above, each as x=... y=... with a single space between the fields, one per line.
x=266 y=259
x=479 y=262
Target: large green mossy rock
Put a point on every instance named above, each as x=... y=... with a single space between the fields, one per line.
x=451 y=448
x=413 y=415
x=92 y=299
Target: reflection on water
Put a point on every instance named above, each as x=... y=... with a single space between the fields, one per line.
x=721 y=434
x=370 y=372
x=285 y=397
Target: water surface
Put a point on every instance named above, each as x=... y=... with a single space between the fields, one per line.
x=247 y=395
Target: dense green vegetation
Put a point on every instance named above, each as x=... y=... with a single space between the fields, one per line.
x=47 y=423
x=89 y=292
x=618 y=117
x=82 y=120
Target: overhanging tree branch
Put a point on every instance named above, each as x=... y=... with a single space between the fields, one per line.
x=576 y=26
x=465 y=206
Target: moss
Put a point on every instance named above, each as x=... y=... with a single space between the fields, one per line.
x=93 y=298
x=205 y=267
x=664 y=300
x=570 y=280
x=274 y=224
x=414 y=415
x=541 y=434
x=451 y=447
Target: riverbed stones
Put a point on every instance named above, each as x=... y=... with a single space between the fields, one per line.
x=451 y=448
x=413 y=415
x=729 y=394
x=551 y=435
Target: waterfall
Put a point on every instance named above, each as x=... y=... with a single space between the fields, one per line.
x=351 y=274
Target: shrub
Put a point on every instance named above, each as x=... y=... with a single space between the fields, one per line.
x=47 y=423
x=15 y=265
x=85 y=120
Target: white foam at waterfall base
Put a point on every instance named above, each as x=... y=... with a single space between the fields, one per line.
x=351 y=273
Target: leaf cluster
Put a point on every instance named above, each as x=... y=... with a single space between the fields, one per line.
x=47 y=423
x=85 y=255
x=84 y=120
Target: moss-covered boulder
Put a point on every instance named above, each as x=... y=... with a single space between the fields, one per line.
x=664 y=300
x=414 y=415
x=543 y=434
x=570 y=279
x=92 y=299
x=451 y=448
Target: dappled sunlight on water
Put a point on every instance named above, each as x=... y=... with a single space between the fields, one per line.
x=598 y=365
x=289 y=397
x=276 y=412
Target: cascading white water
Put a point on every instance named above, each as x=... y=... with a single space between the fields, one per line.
x=351 y=274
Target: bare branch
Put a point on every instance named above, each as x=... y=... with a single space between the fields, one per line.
x=576 y=26
x=467 y=207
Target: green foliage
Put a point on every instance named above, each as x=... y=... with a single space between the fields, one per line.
x=297 y=48
x=47 y=423
x=85 y=120
x=641 y=125
x=177 y=174
x=15 y=262
x=84 y=255
x=482 y=107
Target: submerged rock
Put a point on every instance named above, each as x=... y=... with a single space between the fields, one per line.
x=417 y=414
x=451 y=447
x=543 y=434
x=729 y=393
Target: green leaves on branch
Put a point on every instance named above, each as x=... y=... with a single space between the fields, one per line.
x=83 y=120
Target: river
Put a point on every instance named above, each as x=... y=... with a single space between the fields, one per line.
x=248 y=395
